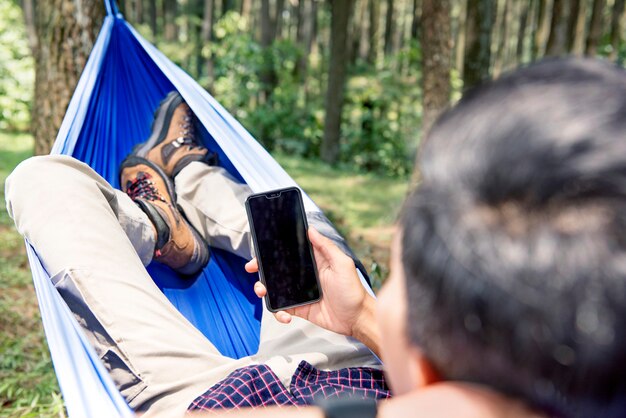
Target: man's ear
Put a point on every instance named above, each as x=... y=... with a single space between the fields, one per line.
x=423 y=372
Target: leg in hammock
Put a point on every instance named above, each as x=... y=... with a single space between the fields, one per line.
x=213 y=202
x=95 y=241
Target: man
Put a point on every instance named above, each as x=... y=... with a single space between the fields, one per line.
x=508 y=283
x=508 y=280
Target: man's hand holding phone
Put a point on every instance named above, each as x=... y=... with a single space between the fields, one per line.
x=345 y=307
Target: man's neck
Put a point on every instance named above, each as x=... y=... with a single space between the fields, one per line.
x=447 y=399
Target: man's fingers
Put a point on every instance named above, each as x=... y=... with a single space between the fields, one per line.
x=260 y=289
x=252 y=266
x=282 y=316
x=316 y=238
x=325 y=246
x=320 y=243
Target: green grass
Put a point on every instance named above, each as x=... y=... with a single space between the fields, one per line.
x=28 y=386
x=363 y=206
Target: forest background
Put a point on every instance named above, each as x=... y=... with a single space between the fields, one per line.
x=339 y=91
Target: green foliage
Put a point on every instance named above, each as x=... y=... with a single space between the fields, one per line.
x=605 y=49
x=237 y=60
x=16 y=69
x=456 y=85
x=281 y=121
x=381 y=114
x=28 y=386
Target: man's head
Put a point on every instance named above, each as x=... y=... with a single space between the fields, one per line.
x=513 y=247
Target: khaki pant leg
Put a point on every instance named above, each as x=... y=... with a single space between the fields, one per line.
x=73 y=219
x=213 y=201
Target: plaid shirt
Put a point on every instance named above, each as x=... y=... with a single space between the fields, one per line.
x=258 y=386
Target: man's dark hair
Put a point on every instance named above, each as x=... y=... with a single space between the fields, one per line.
x=514 y=243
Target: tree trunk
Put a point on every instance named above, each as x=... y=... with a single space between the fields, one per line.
x=356 y=29
x=389 y=27
x=364 y=41
x=459 y=44
x=436 y=60
x=480 y=19
x=307 y=18
x=66 y=31
x=580 y=37
x=278 y=19
x=29 y=20
x=300 y=23
x=267 y=26
x=206 y=34
x=415 y=22
x=271 y=26
x=502 y=38
x=312 y=39
x=193 y=13
x=616 y=27
x=374 y=9
x=541 y=29
x=246 y=6
x=267 y=75
x=557 y=40
x=340 y=16
x=574 y=26
x=227 y=6
x=595 y=27
x=521 y=33
x=292 y=19
x=207 y=20
x=401 y=36
x=169 y=17
x=152 y=13
x=128 y=10
x=139 y=11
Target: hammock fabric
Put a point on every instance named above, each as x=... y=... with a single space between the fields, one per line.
x=111 y=110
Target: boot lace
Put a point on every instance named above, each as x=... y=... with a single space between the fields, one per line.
x=187 y=134
x=142 y=187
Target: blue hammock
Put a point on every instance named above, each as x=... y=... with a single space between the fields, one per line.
x=111 y=110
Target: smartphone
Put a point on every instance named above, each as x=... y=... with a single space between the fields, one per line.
x=284 y=253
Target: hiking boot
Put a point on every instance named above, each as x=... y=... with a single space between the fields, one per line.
x=173 y=143
x=178 y=245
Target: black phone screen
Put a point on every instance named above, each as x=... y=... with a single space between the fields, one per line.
x=286 y=262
